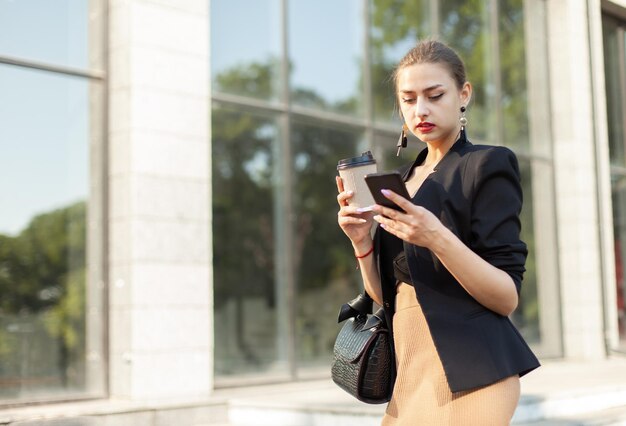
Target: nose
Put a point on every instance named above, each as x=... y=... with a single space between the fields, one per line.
x=421 y=109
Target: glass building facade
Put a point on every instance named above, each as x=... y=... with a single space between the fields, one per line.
x=294 y=86
x=289 y=104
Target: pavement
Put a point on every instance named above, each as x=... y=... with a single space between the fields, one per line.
x=559 y=393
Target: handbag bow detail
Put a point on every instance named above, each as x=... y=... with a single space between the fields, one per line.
x=362 y=357
x=362 y=305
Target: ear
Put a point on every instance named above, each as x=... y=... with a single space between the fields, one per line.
x=466 y=93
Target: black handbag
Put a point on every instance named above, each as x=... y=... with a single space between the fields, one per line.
x=362 y=357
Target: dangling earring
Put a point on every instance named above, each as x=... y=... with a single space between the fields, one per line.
x=402 y=140
x=463 y=121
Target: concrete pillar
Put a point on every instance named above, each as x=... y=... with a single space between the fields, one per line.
x=581 y=174
x=160 y=273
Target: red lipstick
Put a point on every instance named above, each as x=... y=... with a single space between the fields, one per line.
x=425 y=127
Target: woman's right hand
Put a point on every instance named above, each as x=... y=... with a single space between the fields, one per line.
x=356 y=225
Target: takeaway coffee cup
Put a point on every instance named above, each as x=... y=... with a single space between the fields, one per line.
x=352 y=171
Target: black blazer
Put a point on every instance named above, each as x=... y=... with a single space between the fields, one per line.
x=475 y=191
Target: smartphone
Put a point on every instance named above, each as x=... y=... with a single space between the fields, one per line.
x=386 y=180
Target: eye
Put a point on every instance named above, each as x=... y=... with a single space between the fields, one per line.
x=436 y=97
x=408 y=100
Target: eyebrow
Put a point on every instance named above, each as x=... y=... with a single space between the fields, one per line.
x=428 y=89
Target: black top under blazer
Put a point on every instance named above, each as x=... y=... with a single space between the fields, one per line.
x=475 y=191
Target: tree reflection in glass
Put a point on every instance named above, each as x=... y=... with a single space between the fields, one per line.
x=243 y=241
x=42 y=309
x=324 y=262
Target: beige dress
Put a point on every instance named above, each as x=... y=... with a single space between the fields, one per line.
x=421 y=395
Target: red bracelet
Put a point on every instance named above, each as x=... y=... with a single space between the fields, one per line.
x=364 y=255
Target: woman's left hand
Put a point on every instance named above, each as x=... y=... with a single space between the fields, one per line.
x=416 y=225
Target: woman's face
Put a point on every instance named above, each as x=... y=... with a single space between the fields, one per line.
x=430 y=102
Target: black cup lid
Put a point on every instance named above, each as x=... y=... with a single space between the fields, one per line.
x=362 y=160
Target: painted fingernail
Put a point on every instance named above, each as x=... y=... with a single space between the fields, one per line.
x=385 y=191
x=350 y=192
x=382 y=225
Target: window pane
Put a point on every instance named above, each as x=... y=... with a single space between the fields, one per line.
x=244 y=244
x=619 y=232
x=526 y=316
x=245 y=48
x=325 y=265
x=513 y=96
x=395 y=28
x=50 y=124
x=615 y=86
x=326 y=54
x=615 y=77
x=465 y=25
x=61 y=32
x=621 y=205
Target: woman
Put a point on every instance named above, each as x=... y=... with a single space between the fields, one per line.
x=448 y=269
